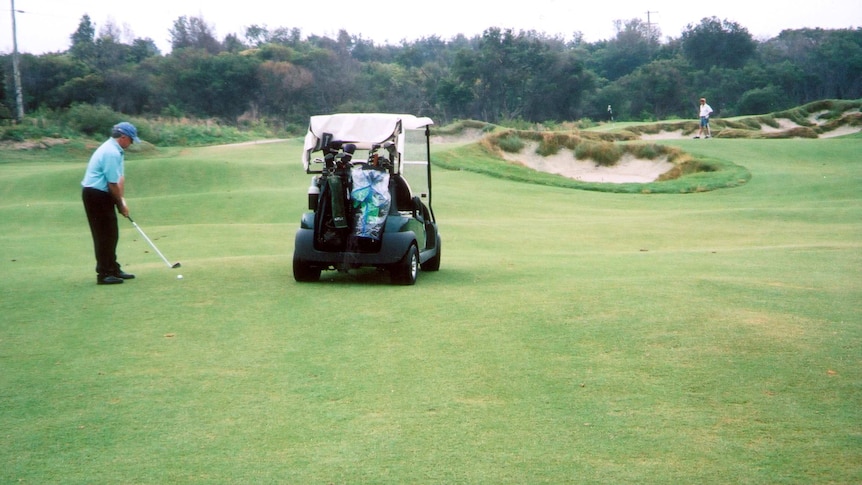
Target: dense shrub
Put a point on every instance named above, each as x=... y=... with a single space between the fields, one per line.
x=92 y=120
x=605 y=154
x=646 y=152
x=511 y=143
x=760 y=100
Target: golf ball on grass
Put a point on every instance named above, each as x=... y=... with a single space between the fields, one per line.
x=179 y=276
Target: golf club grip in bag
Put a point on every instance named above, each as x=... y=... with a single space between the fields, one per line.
x=330 y=218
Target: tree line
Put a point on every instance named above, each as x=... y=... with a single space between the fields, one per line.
x=277 y=76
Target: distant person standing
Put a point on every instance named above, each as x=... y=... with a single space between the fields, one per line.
x=103 y=189
x=705 y=111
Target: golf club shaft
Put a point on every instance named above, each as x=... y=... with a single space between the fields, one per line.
x=152 y=245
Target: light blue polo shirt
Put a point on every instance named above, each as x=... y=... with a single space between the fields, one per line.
x=106 y=166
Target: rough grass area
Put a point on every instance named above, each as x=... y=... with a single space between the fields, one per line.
x=93 y=123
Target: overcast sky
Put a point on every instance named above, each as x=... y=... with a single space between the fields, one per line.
x=45 y=25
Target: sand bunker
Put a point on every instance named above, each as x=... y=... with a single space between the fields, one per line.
x=841 y=131
x=628 y=170
x=664 y=135
x=467 y=135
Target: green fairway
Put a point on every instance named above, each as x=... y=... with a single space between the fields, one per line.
x=569 y=337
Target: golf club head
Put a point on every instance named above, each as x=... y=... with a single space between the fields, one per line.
x=176 y=265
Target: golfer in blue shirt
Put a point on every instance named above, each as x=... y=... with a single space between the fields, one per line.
x=103 y=188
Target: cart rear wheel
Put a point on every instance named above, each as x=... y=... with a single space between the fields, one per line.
x=304 y=272
x=405 y=271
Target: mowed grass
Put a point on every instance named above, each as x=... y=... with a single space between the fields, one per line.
x=569 y=336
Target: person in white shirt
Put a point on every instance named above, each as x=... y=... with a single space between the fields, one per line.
x=705 y=111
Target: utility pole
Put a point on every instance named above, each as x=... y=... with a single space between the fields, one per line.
x=649 y=24
x=16 y=68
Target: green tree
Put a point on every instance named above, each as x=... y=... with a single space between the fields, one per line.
x=717 y=43
x=43 y=78
x=84 y=40
x=453 y=98
x=222 y=86
x=760 y=101
x=391 y=87
x=811 y=64
x=558 y=91
x=283 y=85
x=193 y=33
x=233 y=44
x=500 y=73
x=111 y=54
x=422 y=51
x=87 y=89
x=142 y=49
x=632 y=47
x=334 y=75
x=5 y=110
x=653 y=91
x=840 y=54
x=284 y=36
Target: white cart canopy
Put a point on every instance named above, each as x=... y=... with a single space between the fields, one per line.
x=362 y=129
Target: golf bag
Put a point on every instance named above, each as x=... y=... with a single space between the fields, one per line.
x=331 y=217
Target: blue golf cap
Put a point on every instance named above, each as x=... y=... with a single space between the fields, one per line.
x=128 y=129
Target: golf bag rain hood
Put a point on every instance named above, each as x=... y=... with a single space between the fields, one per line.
x=371 y=200
x=368 y=128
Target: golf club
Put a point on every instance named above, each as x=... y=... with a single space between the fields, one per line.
x=175 y=265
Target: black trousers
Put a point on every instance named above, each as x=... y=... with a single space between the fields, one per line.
x=102 y=216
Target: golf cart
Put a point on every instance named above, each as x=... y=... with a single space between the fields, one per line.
x=362 y=212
